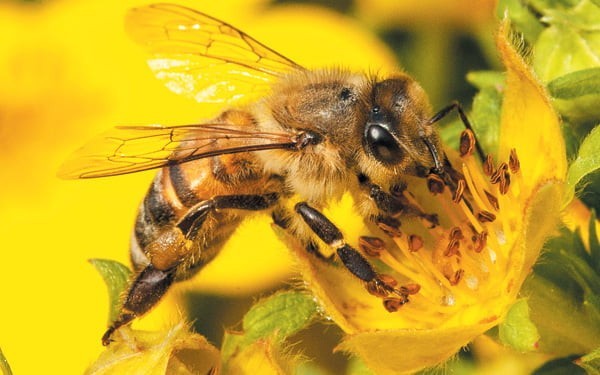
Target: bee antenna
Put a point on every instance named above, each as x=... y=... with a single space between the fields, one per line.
x=438 y=169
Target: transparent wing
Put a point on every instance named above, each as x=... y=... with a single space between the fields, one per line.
x=199 y=56
x=128 y=149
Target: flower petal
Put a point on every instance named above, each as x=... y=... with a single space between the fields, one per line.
x=175 y=350
x=394 y=352
x=529 y=123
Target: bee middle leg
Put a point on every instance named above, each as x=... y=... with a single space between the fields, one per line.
x=168 y=249
x=358 y=265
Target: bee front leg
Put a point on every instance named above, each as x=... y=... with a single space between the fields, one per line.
x=168 y=252
x=358 y=265
x=394 y=204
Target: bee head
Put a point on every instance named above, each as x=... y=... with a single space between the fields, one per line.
x=397 y=132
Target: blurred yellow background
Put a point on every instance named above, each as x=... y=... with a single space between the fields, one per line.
x=67 y=73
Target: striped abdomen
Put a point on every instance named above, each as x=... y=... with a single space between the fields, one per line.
x=177 y=189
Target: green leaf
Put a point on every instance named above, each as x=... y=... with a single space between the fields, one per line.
x=582 y=15
x=594 y=244
x=563 y=296
x=275 y=317
x=487 y=78
x=486 y=117
x=281 y=314
x=4 y=366
x=517 y=330
x=587 y=161
x=542 y=5
x=116 y=277
x=591 y=362
x=560 y=50
x=576 y=84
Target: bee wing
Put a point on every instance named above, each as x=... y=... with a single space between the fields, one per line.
x=199 y=56
x=128 y=149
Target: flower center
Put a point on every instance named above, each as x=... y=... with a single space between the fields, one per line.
x=464 y=260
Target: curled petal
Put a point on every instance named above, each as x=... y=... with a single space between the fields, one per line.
x=529 y=124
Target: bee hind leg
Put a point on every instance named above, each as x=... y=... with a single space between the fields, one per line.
x=146 y=290
x=167 y=250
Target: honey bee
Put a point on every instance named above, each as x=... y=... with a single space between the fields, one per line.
x=312 y=136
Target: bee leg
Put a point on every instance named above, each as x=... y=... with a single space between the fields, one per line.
x=147 y=289
x=155 y=279
x=358 y=265
x=395 y=204
x=283 y=221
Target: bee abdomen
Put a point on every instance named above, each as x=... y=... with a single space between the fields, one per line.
x=181 y=186
x=155 y=213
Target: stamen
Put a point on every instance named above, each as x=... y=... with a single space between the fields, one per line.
x=485 y=217
x=492 y=199
x=393 y=304
x=455 y=279
x=499 y=173
x=372 y=246
x=410 y=289
x=480 y=241
x=456 y=234
x=504 y=183
x=460 y=189
x=415 y=242
x=388 y=281
x=513 y=161
x=452 y=248
x=467 y=143
x=488 y=166
x=435 y=184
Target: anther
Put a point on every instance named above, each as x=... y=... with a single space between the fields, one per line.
x=452 y=248
x=456 y=277
x=492 y=199
x=372 y=246
x=499 y=173
x=488 y=165
x=513 y=161
x=485 y=217
x=415 y=242
x=456 y=234
x=504 y=183
x=389 y=281
x=410 y=289
x=435 y=184
x=460 y=189
x=393 y=304
x=467 y=143
x=480 y=241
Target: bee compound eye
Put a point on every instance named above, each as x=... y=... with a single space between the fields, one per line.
x=383 y=145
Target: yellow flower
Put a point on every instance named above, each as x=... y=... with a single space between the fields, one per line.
x=68 y=71
x=463 y=275
x=172 y=351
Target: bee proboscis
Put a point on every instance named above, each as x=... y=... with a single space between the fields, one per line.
x=313 y=135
